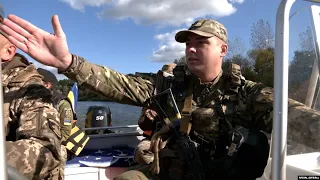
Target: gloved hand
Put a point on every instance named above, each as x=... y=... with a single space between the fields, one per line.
x=156 y=145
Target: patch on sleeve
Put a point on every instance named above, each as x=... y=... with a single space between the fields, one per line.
x=67 y=116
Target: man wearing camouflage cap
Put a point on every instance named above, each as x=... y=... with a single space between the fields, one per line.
x=210 y=101
x=64 y=107
x=71 y=134
x=31 y=121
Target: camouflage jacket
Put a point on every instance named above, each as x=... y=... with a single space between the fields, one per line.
x=33 y=127
x=303 y=122
x=66 y=113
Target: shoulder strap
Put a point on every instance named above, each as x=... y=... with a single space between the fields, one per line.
x=185 y=124
x=234 y=93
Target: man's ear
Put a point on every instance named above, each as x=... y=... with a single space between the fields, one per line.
x=48 y=85
x=224 y=49
x=8 y=52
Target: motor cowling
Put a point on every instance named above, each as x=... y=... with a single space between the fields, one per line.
x=98 y=116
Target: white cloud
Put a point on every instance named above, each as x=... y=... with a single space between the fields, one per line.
x=169 y=49
x=160 y=12
x=236 y=1
x=80 y=4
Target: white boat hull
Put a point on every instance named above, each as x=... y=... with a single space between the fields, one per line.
x=297 y=165
x=104 y=141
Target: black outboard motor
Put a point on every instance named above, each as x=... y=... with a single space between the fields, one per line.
x=98 y=116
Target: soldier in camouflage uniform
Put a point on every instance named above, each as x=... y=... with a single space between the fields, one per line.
x=205 y=48
x=63 y=104
x=32 y=123
x=64 y=107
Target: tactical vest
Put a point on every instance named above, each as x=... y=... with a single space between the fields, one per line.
x=20 y=79
x=213 y=126
x=77 y=139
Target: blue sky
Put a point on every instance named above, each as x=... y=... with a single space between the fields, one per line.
x=137 y=35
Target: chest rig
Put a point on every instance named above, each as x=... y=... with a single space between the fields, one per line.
x=216 y=106
x=223 y=99
x=174 y=97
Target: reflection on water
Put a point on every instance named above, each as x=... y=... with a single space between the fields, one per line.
x=121 y=114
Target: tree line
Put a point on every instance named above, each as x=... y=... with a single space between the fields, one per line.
x=85 y=94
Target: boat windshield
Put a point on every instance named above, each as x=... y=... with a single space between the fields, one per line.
x=303 y=133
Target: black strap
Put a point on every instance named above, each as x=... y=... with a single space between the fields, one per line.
x=224 y=125
x=72 y=137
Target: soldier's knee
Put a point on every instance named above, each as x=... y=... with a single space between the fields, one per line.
x=131 y=175
x=142 y=153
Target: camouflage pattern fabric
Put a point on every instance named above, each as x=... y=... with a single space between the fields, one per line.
x=142 y=154
x=139 y=172
x=64 y=158
x=117 y=87
x=33 y=137
x=66 y=117
x=205 y=28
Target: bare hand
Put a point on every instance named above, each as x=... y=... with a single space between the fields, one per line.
x=48 y=49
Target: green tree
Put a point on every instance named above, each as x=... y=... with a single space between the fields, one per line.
x=301 y=66
x=264 y=66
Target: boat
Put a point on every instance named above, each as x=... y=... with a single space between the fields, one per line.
x=120 y=146
x=110 y=148
x=109 y=154
x=105 y=155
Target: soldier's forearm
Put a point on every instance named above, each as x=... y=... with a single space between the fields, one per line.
x=65 y=132
x=303 y=125
x=109 y=83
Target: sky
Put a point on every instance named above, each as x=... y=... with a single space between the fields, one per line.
x=138 y=35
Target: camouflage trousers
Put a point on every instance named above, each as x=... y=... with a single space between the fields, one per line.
x=139 y=172
x=144 y=157
x=142 y=154
x=63 y=162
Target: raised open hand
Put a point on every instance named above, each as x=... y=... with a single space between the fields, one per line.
x=48 y=49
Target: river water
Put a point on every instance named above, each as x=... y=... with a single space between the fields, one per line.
x=121 y=114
